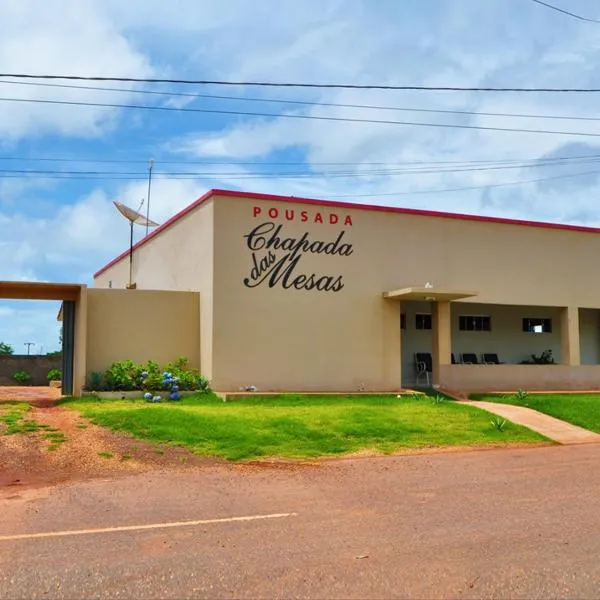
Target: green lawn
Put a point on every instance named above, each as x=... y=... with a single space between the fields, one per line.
x=578 y=409
x=295 y=426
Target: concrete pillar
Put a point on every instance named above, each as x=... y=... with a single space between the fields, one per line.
x=569 y=336
x=442 y=338
x=392 y=359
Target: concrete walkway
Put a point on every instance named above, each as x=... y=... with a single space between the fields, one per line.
x=555 y=429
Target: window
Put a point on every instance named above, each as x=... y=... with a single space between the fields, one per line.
x=422 y=321
x=474 y=323
x=402 y=321
x=531 y=325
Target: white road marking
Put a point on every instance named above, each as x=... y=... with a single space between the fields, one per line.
x=48 y=534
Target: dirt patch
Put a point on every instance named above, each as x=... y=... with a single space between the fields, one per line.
x=28 y=459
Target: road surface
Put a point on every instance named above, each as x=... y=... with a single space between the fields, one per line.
x=517 y=523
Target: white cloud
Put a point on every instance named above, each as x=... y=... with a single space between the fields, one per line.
x=76 y=39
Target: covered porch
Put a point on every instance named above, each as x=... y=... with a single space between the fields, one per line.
x=451 y=341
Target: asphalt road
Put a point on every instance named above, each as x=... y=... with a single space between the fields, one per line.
x=485 y=524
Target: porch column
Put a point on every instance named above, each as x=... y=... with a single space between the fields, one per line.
x=569 y=335
x=392 y=360
x=442 y=338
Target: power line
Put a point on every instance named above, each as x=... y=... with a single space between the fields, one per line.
x=476 y=187
x=566 y=12
x=464 y=162
x=281 y=175
x=305 y=102
x=297 y=116
x=299 y=85
x=442 y=190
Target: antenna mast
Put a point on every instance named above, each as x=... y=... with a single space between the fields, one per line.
x=149 y=185
x=133 y=216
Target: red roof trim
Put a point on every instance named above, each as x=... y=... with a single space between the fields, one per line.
x=345 y=205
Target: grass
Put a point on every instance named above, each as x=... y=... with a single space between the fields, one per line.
x=294 y=426
x=578 y=409
x=13 y=420
x=106 y=454
x=12 y=416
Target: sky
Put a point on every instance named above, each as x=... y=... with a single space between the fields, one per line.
x=61 y=166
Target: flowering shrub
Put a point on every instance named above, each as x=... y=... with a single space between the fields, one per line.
x=150 y=377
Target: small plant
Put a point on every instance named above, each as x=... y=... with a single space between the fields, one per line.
x=54 y=375
x=438 y=399
x=498 y=423
x=22 y=377
x=521 y=395
x=105 y=454
x=95 y=381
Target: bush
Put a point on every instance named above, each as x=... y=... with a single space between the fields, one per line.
x=150 y=377
x=123 y=376
x=95 y=381
x=22 y=377
x=54 y=375
x=6 y=349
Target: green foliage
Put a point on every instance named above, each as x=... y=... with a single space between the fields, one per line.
x=498 y=423
x=521 y=395
x=22 y=377
x=54 y=375
x=298 y=426
x=545 y=358
x=95 y=381
x=129 y=376
x=124 y=375
x=54 y=353
x=579 y=409
x=6 y=349
x=438 y=399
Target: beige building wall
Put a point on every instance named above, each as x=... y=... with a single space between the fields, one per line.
x=286 y=339
x=278 y=338
x=178 y=258
x=141 y=325
x=509 y=378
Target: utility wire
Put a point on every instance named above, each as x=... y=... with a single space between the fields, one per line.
x=521 y=161
x=565 y=12
x=288 y=174
x=430 y=191
x=297 y=116
x=476 y=187
x=304 y=102
x=298 y=85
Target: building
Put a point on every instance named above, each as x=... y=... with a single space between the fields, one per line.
x=306 y=295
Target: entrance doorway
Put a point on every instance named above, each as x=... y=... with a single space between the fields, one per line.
x=70 y=296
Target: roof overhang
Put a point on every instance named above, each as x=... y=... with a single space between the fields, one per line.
x=37 y=290
x=428 y=294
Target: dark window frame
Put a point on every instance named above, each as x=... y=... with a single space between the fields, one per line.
x=528 y=324
x=423 y=322
x=475 y=323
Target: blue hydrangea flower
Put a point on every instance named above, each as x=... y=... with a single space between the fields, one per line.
x=145 y=374
x=147 y=396
x=156 y=399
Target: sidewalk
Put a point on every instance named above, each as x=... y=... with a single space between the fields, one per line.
x=550 y=427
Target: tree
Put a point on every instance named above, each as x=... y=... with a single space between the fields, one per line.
x=6 y=349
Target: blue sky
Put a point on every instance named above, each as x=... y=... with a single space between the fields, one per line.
x=65 y=229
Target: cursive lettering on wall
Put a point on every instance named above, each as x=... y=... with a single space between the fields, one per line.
x=277 y=259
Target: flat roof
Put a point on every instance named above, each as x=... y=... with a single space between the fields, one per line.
x=347 y=205
x=428 y=293
x=39 y=290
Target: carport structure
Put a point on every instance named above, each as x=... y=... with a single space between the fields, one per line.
x=73 y=316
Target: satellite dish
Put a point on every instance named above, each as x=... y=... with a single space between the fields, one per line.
x=134 y=217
